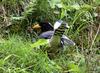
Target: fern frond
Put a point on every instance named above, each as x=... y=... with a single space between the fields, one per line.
x=30 y=8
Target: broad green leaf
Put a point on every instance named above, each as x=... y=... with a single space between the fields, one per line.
x=40 y=42
x=59 y=5
x=76 y=6
x=57 y=12
x=97 y=1
x=86 y=7
x=55 y=2
x=63 y=13
x=73 y=67
x=17 y=18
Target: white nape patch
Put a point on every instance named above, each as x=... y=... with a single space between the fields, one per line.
x=57 y=24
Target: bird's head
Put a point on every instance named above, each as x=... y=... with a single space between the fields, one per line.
x=60 y=27
x=44 y=26
x=60 y=23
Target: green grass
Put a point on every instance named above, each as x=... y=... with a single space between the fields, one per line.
x=17 y=56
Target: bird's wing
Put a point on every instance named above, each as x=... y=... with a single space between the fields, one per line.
x=66 y=40
x=46 y=35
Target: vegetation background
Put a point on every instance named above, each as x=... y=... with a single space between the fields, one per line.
x=16 y=54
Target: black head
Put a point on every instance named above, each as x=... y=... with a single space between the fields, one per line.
x=46 y=26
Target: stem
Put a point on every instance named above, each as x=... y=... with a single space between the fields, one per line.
x=95 y=37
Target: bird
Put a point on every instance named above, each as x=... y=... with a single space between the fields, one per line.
x=50 y=32
x=43 y=26
x=56 y=36
x=37 y=28
x=55 y=40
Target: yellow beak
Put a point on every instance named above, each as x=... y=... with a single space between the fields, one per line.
x=37 y=26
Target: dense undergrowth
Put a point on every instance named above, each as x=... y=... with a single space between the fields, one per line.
x=18 y=56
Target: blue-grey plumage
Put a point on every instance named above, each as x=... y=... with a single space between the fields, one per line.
x=46 y=35
x=56 y=36
x=64 y=40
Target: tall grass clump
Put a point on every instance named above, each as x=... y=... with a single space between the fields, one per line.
x=17 y=56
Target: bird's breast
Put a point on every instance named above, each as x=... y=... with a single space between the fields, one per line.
x=55 y=41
